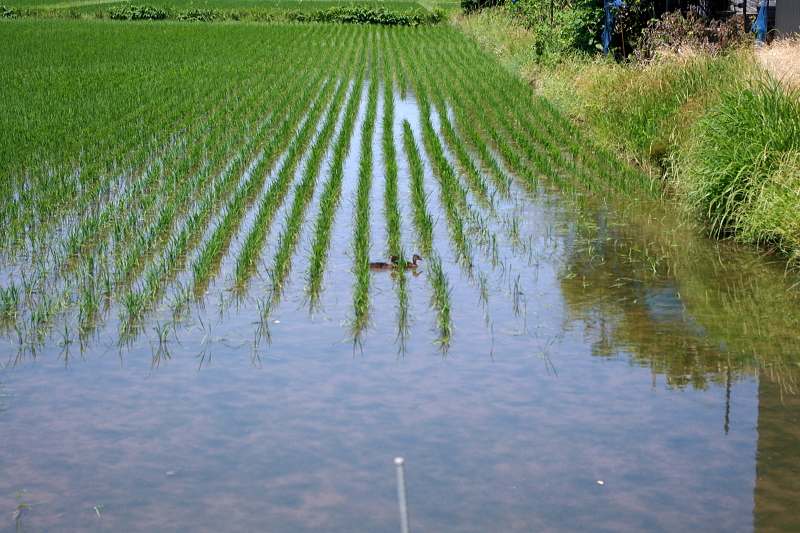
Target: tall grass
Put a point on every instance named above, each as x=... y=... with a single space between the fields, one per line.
x=740 y=173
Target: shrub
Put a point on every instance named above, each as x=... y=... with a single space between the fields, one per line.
x=369 y=15
x=675 y=32
x=131 y=12
x=8 y=12
x=202 y=15
x=560 y=27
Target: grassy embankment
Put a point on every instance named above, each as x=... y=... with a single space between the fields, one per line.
x=721 y=132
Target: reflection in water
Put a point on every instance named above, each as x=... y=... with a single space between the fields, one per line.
x=778 y=456
x=697 y=312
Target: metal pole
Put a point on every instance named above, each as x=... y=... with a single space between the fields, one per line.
x=401 y=494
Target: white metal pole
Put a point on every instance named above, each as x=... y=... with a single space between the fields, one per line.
x=401 y=494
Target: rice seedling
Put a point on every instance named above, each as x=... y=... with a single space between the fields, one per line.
x=235 y=209
x=302 y=194
x=360 y=314
x=331 y=194
x=441 y=301
x=449 y=188
x=274 y=195
x=423 y=220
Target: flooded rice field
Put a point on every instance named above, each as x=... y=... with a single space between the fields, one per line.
x=198 y=342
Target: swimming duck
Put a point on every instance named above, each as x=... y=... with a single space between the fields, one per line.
x=414 y=264
x=379 y=265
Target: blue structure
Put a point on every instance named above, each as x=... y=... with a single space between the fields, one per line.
x=760 y=25
x=610 y=22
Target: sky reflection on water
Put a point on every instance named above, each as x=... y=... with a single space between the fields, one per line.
x=306 y=441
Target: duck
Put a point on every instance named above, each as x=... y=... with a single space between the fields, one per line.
x=414 y=264
x=379 y=265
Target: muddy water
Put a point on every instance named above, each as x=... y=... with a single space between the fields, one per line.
x=622 y=373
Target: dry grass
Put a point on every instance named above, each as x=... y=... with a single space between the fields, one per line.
x=782 y=60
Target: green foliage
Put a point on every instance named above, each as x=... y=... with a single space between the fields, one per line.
x=560 y=27
x=353 y=13
x=138 y=12
x=369 y=15
x=745 y=147
x=8 y=12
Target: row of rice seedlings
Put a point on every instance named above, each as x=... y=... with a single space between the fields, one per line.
x=207 y=84
x=550 y=130
x=137 y=199
x=331 y=193
x=156 y=276
x=493 y=121
x=596 y=160
x=475 y=179
x=470 y=120
x=70 y=192
x=500 y=178
x=235 y=210
x=423 y=221
x=246 y=106
x=478 y=227
x=391 y=203
x=94 y=222
x=451 y=197
x=39 y=219
x=392 y=212
x=147 y=243
x=303 y=193
x=360 y=317
x=273 y=198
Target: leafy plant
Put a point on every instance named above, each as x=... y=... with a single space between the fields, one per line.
x=136 y=12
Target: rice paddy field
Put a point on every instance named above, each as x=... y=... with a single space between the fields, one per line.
x=196 y=339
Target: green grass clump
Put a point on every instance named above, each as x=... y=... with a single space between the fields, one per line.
x=741 y=171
